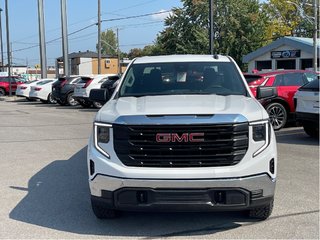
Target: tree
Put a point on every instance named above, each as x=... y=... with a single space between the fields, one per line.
x=149 y=50
x=135 y=52
x=241 y=26
x=186 y=29
x=288 y=18
x=108 y=43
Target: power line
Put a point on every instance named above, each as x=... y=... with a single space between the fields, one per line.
x=84 y=28
x=135 y=44
x=53 y=40
x=93 y=18
x=136 y=16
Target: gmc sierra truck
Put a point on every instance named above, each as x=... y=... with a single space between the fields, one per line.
x=182 y=133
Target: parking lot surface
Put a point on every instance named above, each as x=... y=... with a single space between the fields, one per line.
x=45 y=194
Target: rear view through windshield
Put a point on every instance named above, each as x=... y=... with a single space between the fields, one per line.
x=220 y=78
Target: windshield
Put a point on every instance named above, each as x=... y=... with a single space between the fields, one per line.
x=220 y=78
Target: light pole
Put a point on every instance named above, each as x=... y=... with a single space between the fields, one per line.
x=313 y=21
x=8 y=49
x=211 y=33
x=64 y=37
x=315 y=35
x=118 y=52
x=43 y=57
x=2 y=67
x=99 y=37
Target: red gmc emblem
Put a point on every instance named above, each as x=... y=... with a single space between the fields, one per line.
x=175 y=137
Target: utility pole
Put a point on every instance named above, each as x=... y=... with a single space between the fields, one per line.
x=211 y=32
x=64 y=38
x=118 y=51
x=315 y=35
x=8 y=49
x=43 y=56
x=2 y=67
x=99 y=37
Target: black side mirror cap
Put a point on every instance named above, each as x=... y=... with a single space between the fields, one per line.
x=99 y=95
x=266 y=92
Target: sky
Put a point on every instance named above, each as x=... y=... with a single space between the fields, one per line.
x=24 y=29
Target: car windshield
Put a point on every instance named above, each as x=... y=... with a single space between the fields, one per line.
x=221 y=78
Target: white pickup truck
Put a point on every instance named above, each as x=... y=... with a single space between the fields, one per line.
x=182 y=133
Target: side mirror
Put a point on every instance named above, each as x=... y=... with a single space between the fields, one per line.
x=99 y=95
x=266 y=92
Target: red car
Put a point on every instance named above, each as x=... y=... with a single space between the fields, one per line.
x=5 y=84
x=287 y=82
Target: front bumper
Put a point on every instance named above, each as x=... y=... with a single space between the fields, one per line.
x=183 y=195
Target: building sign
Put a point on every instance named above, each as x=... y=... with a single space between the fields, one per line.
x=286 y=54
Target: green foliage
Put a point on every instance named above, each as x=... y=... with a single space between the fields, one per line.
x=288 y=18
x=108 y=43
x=241 y=25
x=149 y=50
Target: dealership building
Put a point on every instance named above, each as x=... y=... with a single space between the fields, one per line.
x=284 y=53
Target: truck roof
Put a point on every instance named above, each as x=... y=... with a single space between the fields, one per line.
x=181 y=58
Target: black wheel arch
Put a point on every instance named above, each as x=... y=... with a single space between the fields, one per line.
x=276 y=100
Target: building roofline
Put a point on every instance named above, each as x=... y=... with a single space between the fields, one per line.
x=300 y=43
x=87 y=54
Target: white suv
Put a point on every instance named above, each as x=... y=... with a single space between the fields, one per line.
x=84 y=86
x=307 y=107
x=182 y=133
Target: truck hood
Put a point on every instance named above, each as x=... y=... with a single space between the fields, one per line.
x=170 y=105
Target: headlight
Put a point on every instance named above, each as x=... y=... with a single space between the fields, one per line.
x=261 y=133
x=101 y=136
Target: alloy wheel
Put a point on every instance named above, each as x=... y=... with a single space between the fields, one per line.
x=278 y=115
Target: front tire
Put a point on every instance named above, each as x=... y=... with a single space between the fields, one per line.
x=102 y=212
x=51 y=99
x=278 y=115
x=71 y=101
x=263 y=212
x=97 y=105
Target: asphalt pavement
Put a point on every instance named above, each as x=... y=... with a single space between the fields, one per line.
x=45 y=194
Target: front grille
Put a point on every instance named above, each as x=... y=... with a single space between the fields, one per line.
x=223 y=145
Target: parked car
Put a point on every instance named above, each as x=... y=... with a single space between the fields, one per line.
x=109 y=85
x=43 y=91
x=281 y=108
x=23 y=90
x=183 y=143
x=5 y=84
x=307 y=107
x=84 y=86
x=63 y=89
